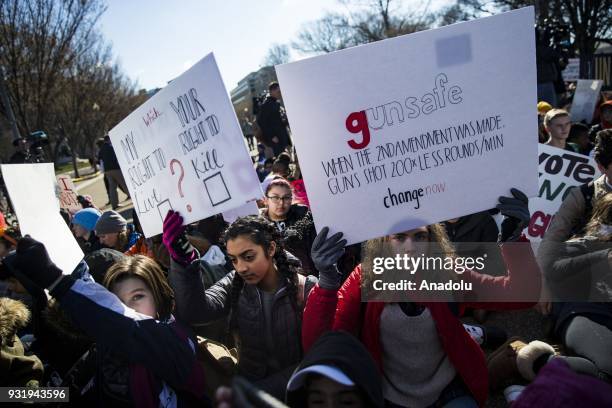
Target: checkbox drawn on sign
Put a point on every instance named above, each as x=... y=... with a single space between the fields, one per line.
x=163 y=207
x=217 y=189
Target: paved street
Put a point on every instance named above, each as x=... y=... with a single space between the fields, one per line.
x=95 y=188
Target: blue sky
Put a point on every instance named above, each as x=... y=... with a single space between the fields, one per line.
x=157 y=40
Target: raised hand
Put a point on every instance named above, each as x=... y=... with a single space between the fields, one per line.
x=325 y=253
x=516 y=210
x=175 y=239
x=32 y=260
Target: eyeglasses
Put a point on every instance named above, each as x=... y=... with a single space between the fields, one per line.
x=277 y=199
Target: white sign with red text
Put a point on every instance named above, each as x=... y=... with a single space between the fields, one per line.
x=416 y=129
x=68 y=194
x=559 y=170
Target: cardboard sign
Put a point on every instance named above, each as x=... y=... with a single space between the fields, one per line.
x=572 y=70
x=416 y=129
x=183 y=150
x=585 y=99
x=67 y=194
x=32 y=190
x=560 y=170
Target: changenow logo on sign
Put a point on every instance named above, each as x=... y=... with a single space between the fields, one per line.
x=413 y=197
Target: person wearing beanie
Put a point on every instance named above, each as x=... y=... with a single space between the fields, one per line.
x=100 y=261
x=83 y=224
x=114 y=232
x=543 y=107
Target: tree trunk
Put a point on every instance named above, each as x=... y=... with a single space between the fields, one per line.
x=74 y=163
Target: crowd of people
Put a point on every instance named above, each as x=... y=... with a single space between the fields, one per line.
x=264 y=311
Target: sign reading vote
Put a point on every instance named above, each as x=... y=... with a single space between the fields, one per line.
x=416 y=129
x=559 y=170
x=183 y=150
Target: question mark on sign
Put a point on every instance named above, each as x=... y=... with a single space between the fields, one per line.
x=180 y=180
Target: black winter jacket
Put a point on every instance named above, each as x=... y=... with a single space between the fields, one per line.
x=196 y=306
x=272 y=120
x=299 y=232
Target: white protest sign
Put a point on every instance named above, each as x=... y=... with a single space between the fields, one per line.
x=416 y=129
x=585 y=99
x=67 y=194
x=559 y=170
x=183 y=150
x=572 y=70
x=242 y=211
x=37 y=209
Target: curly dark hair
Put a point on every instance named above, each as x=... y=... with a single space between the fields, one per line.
x=263 y=232
x=603 y=147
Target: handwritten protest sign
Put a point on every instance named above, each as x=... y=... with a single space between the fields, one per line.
x=572 y=70
x=67 y=194
x=559 y=170
x=585 y=99
x=37 y=209
x=416 y=129
x=183 y=150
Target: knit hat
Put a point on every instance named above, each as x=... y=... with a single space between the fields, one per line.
x=543 y=107
x=100 y=261
x=86 y=218
x=109 y=222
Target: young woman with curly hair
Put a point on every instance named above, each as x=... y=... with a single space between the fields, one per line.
x=263 y=297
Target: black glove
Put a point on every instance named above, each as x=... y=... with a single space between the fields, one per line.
x=32 y=260
x=516 y=212
x=325 y=253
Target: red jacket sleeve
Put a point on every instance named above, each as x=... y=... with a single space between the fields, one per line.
x=332 y=310
x=519 y=289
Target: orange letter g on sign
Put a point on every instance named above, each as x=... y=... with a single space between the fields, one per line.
x=357 y=122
